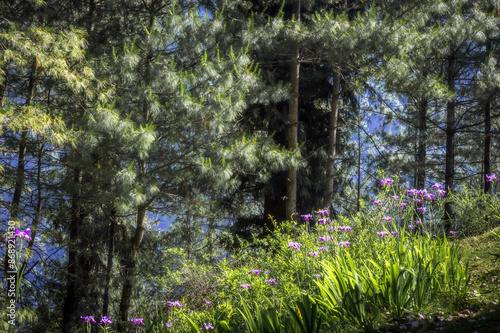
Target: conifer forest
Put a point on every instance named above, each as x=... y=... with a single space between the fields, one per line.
x=260 y=166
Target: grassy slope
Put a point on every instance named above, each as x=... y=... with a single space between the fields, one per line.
x=481 y=311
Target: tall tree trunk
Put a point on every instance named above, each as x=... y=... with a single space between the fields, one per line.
x=422 y=145
x=450 y=144
x=487 y=134
x=293 y=118
x=358 y=185
x=109 y=266
x=332 y=140
x=129 y=269
x=71 y=301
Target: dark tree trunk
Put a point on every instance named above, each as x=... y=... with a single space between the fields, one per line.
x=332 y=141
x=422 y=145
x=109 y=267
x=293 y=118
x=129 y=269
x=72 y=299
x=487 y=135
x=450 y=144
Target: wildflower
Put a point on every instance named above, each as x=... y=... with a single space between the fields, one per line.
x=105 y=320
x=294 y=245
x=169 y=324
x=394 y=233
x=382 y=234
x=331 y=229
x=247 y=286
x=411 y=226
x=207 y=326
x=417 y=222
x=176 y=303
x=324 y=220
x=377 y=202
x=437 y=186
x=489 y=178
x=322 y=249
x=86 y=319
x=325 y=239
x=136 y=321
x=323 y=212
x=440 y=192
x=395 y=197
x=453 y=233
x=24 y=234
x=270 y=281
x=403 y=205
x=386 y=182
x=417 y=200
x=207 y=303
x=345 y=244
x=317 y=276
x=387 y=218
x=429 y=196
x=254 y=271
x=344 y=228
x=267 y=272
x=307 y=216
x=384 y=209
x=313 y=254
x=422 y=209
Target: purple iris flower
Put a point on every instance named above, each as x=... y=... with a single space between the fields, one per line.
x=377 y=202
x=245 y=286
x=317 y=276
x=295 y=245
x=324 y=220
x=254 y=271
x=344 y=228
x=207 y=326
x=325 y=239
x=453 y=233
x=383 y=234
x=395 y=197
x=136 y=321
x=387 y=218
x=386 y=182
x=313 y=254
x=489 y=178
x=344 y=244
x=207 y=303
x=271 y=281
x=307 y=216
x=323 y=212
x=440 y=192
x=86 y=319
x=437 y=186
x=176 y=303
x=105 y=320
x=403 y=205
x=422 y=209
x=24 y=234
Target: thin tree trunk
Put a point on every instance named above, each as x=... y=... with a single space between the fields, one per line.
x=450 y=145
x=422 y=145
x=293 y=118
x=487 y=134
x=358 y=187
x=332 y=141
x=109 y=266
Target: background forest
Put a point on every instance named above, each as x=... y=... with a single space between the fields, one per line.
x=155 y=148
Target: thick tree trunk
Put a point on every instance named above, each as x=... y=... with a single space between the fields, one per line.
x=293 y=118
x=450 y=144
x=129 y=269
x=332 y=141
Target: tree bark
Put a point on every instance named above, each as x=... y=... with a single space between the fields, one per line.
x=293 y=118
x=109 y=267
x=71 y=301
x=450 y=144
x=129 y=269
x=487 y=134
x=422 y=144
x=332 y=141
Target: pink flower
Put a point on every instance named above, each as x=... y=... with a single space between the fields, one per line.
x=24 y=234
x=387 y=218
x=270 y=281
x=386 y=182
x=317 y=276
x=313 y=254
x=377 y=202
x=344 y=244
x=176 y=303
x=307 y=216
x=245 y=286
x=437 y=186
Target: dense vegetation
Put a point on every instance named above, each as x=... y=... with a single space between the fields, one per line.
x=256 y=131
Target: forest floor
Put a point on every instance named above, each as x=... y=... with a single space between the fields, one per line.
x=480 y=312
